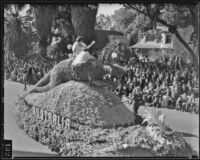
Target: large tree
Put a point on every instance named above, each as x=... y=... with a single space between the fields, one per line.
x=103 y=22
x=63 y=23
x=122 y=18
x=70 y=20
x=63 y=29
x=16 y=33
x=156 y=13
x=83 y=19
x=130 y=23
x=43 y=18
x=183 y=16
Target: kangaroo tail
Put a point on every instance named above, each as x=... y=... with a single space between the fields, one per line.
x=41 y=89
x=44 y=81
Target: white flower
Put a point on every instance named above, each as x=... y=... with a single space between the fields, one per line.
x=125 y=145
x=168 y=142
x=159 y=146
x=162 y=117
x=161 y=140
x=69 y=46
x=155 y=148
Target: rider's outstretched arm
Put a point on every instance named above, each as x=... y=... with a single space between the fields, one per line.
x=90 y=45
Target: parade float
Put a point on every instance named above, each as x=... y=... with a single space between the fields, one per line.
x=76 y=118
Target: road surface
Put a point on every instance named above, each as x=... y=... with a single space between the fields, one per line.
x=21 y=143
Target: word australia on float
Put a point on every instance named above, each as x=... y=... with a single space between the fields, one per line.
x=51 y=117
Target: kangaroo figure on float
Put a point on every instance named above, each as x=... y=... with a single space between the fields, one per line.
x=83 y=68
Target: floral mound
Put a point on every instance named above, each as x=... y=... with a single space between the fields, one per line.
x=83 y=103
x=107 y=139
x=87 y=141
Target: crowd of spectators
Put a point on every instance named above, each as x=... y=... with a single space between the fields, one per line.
x=167 y=82
x=16 y=69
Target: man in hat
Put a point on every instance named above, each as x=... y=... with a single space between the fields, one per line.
x=136 y=99
x=79 y=46
x=80 y=54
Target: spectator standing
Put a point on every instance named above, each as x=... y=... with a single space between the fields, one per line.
x=179 y=103
x=136 y=100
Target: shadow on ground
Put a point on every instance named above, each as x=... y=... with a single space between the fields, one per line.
x=32 y=154
x=188 y=134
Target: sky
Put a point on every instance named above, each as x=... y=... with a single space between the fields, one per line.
x=23 y=11
x=108 y=9
x=105 y=8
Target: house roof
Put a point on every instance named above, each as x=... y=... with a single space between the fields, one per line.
x=162 y=28
x=152 y=45
x=144 y=44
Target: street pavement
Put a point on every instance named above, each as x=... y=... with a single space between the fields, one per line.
x=21 y=143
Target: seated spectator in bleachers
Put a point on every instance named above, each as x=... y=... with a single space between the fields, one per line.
x=118 y=91
x=158 y=81
x=125 y=91
x=184 y=101
x=166 y=101
x=13 y=75
x=130 y=88
x=190 y=89
x=20 y=78
x=179 y=103
x=184 y=88
x=155 y=102
x=190 y=102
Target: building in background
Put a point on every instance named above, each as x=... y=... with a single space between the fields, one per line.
x=154 y=42
x=159 y=42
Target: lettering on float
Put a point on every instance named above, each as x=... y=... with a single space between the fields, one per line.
x=53 y=118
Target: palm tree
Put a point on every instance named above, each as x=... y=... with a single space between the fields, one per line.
x=16 y=33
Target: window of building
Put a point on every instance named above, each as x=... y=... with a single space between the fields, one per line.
x=168 y=39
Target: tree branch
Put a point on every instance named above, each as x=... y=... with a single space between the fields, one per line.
x=173 y=30
x=151 y=17
x=194 y=21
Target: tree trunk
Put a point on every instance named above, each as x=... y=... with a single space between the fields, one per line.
x=83 y=19
x=43 y=46
x=43 y=51
x=191 y=53
x=43 y=21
